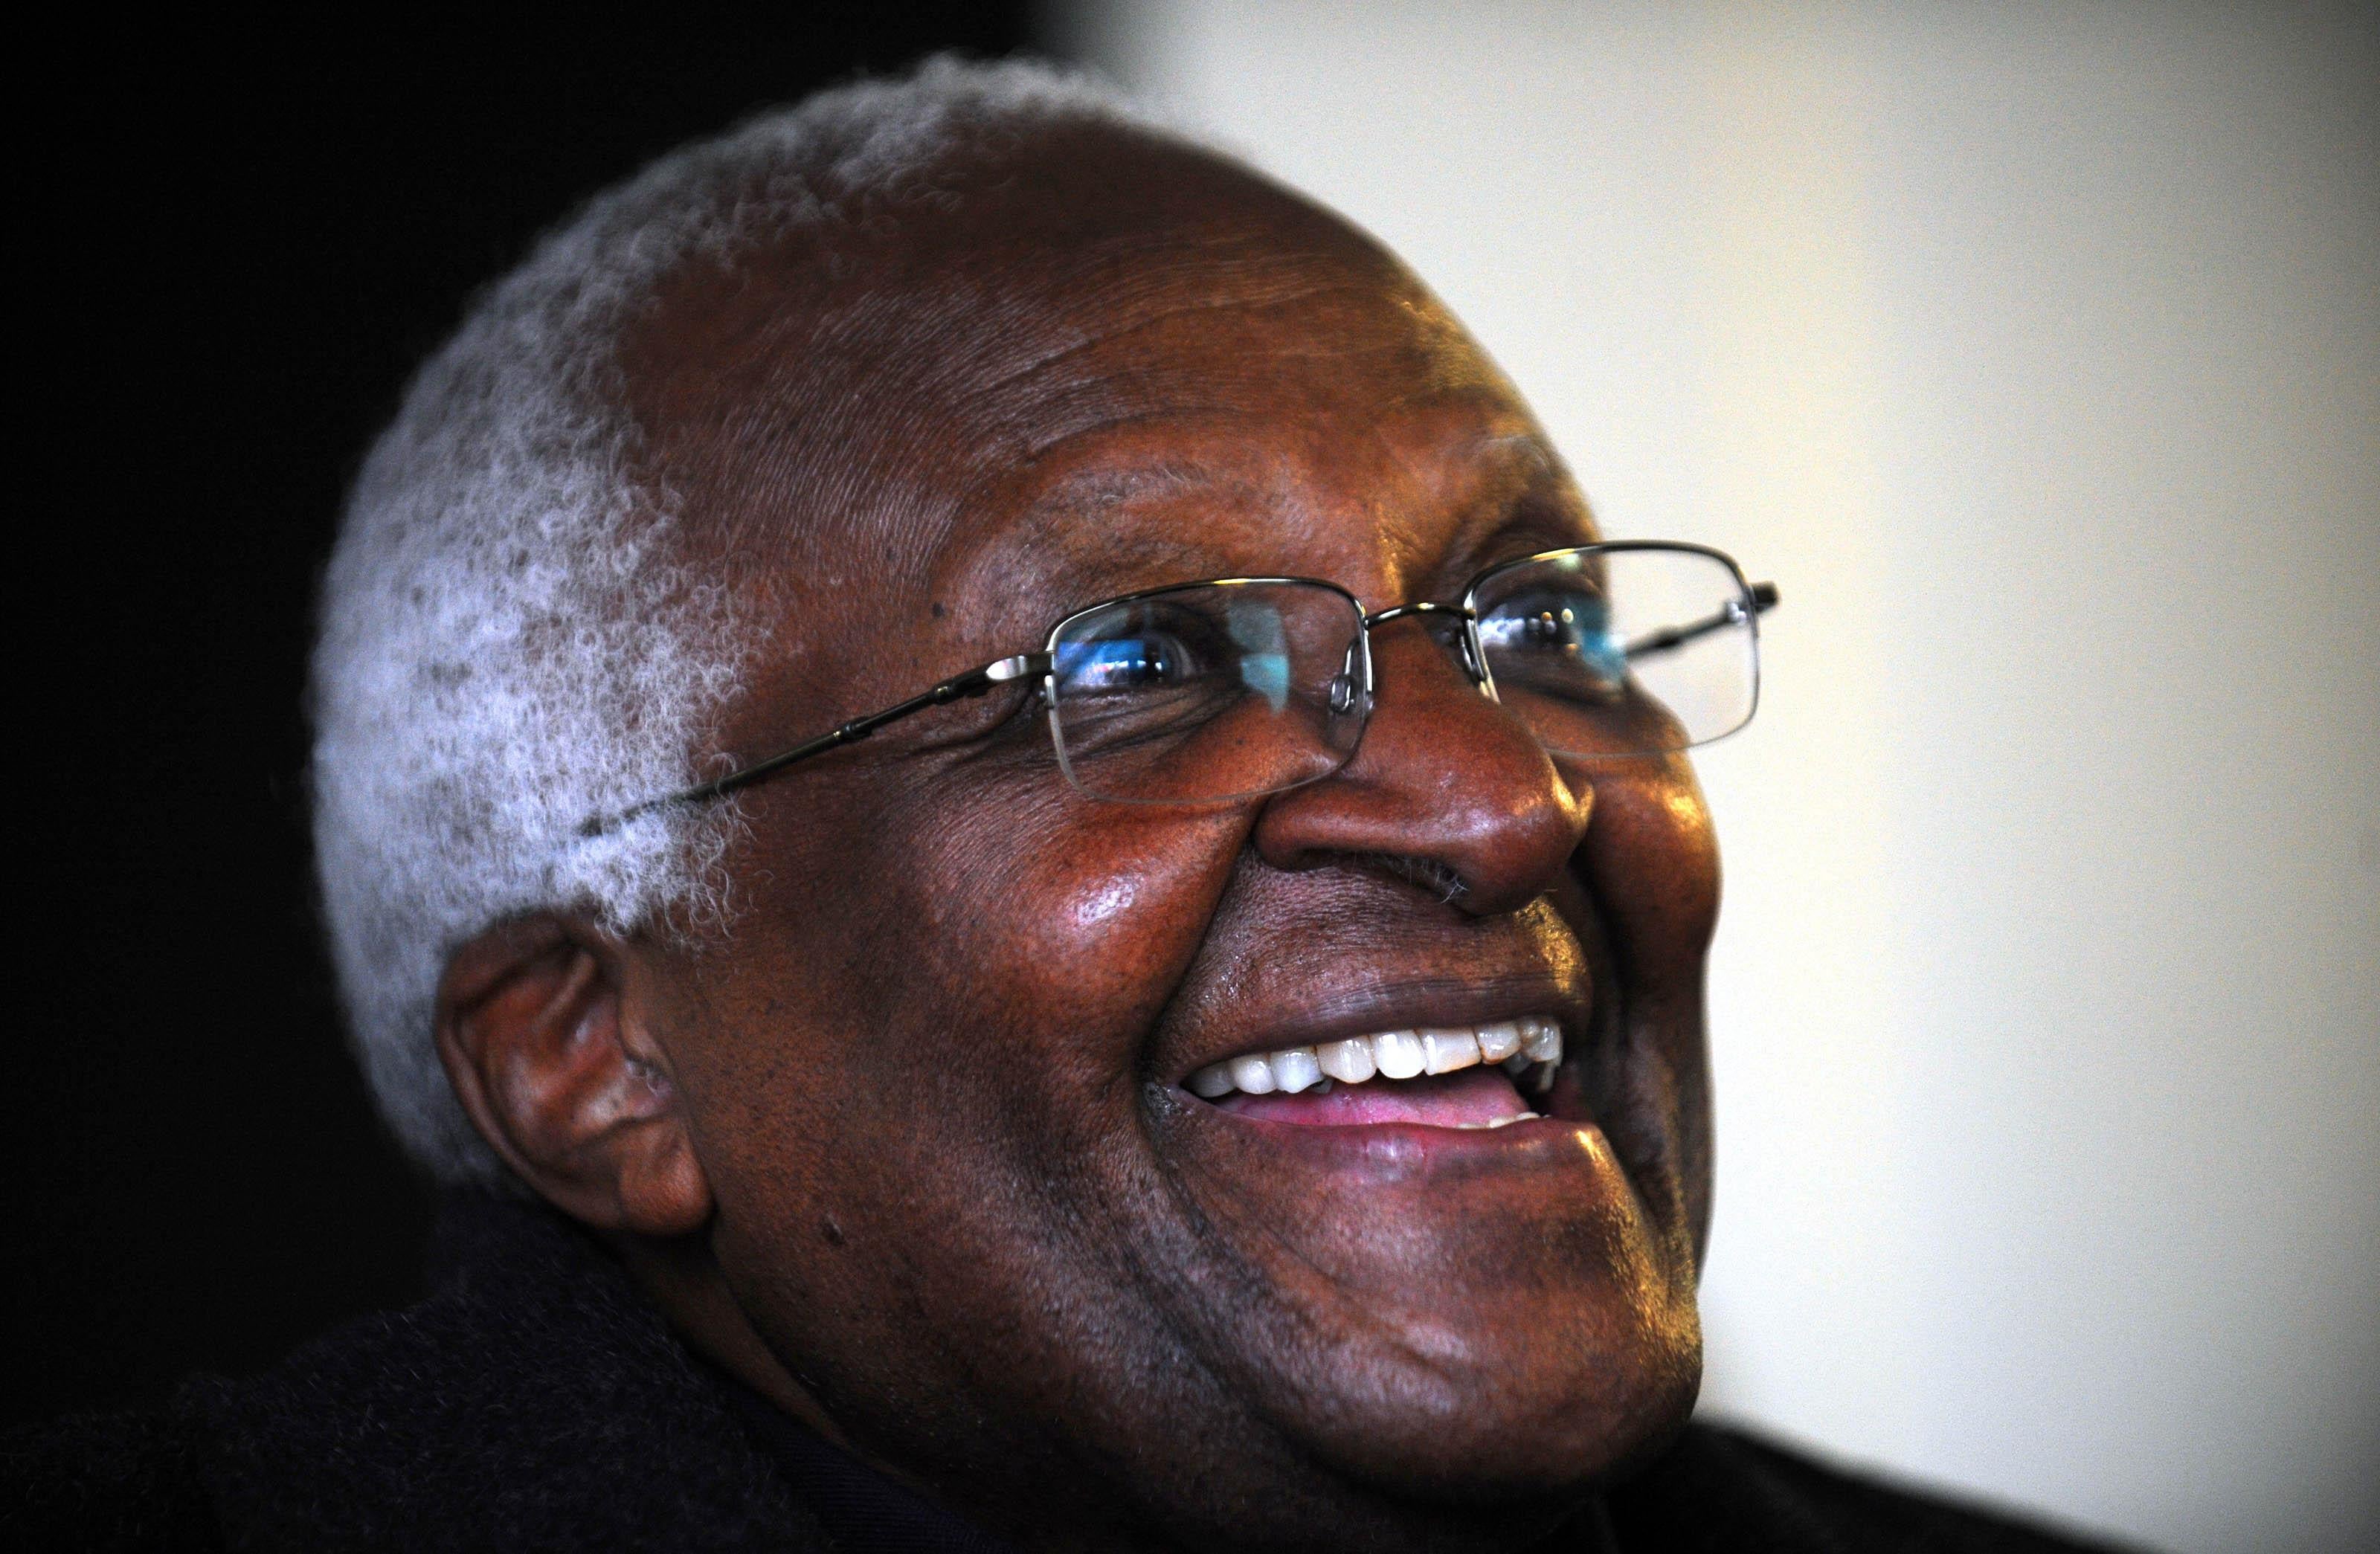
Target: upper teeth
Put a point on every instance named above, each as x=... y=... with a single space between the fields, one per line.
x=1530 y=1040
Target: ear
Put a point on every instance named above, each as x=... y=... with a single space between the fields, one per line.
x=548 y=1054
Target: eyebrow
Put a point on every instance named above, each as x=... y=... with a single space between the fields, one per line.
x=1125 y=561
x=1541 y=452
x=1508 y=470
x=1505 y=461
x=1099 y=488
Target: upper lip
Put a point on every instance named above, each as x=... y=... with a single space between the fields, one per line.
x=1369 y=1008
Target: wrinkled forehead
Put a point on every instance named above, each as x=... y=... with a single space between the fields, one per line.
x=930 y=401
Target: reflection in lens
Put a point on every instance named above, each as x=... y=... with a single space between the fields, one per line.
x=1256 y=627
x=1560 y=640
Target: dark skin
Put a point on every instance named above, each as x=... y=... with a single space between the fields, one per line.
x=908 y=1145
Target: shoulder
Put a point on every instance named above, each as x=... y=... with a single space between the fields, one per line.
x=1724 y=1490
x=535 y=1401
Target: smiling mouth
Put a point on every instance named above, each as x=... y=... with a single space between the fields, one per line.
x=1469 y=1077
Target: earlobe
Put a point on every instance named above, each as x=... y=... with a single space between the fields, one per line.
x=546 y=1052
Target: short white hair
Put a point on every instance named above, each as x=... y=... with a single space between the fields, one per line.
x=510 y=643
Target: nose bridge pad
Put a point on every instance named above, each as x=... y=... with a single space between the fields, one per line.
x=1348 y=691
x=1464 y=642
x=1349 y=699
x=1447 y=631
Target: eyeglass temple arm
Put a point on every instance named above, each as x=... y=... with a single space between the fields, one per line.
x=974 y=683
x=1764 y=599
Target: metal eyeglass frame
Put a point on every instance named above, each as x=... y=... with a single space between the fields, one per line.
x=1756 y=600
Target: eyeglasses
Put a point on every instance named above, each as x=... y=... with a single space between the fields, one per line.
x=1203 y=693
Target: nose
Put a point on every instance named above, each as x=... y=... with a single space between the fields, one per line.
x=1446 y=786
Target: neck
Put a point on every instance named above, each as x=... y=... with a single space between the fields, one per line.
x=683 y=1278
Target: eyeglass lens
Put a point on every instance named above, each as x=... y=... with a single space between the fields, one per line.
x=1217 y=690
x=1620 y=652
x=1223 y=690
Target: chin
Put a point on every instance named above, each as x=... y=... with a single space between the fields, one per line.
x=1414 y=1458
x=1457 y=1358
x=1553 y=1404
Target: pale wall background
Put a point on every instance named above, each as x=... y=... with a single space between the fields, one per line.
x=2035 y=351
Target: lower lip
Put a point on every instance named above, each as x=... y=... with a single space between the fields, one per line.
x=1539 y=1183
x=1396 y=1150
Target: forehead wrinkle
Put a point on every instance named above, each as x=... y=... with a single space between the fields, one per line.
x=782 y=495
x=1114 y=331
x=1476 y=482
x=820 y=383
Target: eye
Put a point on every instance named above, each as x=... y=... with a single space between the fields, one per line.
x=1125 y=663
x=1545 y=627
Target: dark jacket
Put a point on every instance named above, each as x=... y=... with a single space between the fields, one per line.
x=537 y=1402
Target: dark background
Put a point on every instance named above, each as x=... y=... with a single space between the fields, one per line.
x=238 y=254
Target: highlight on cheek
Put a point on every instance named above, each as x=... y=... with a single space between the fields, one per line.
x=1688 y=814
x=1109 y=899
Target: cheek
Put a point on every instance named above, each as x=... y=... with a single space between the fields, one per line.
x=1077 y=912
x=1651 y=860
x=947 y=998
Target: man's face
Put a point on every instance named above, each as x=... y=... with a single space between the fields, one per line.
x=936 y=1070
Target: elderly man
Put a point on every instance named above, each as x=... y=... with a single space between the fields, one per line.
x=1220 y=1066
